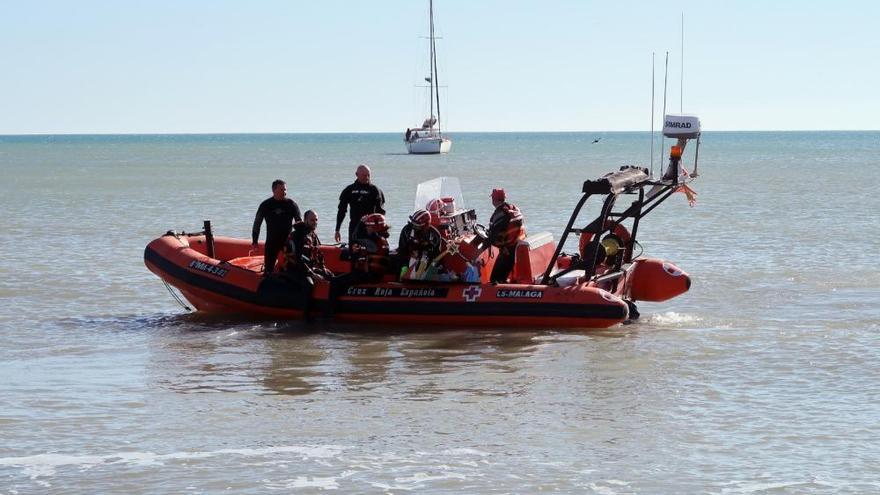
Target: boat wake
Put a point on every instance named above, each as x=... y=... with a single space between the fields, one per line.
x=672 y=319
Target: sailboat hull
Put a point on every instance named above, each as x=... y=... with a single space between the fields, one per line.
x=429 y=146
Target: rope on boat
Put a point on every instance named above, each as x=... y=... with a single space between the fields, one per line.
x=641 y=249
x=176 y=297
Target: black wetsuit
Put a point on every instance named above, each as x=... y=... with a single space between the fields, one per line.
x=303 y=264
x=303 y=242
x=414 y=240
x=279 y=217
x=360 y=199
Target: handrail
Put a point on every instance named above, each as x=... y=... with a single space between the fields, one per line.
x=628 y=180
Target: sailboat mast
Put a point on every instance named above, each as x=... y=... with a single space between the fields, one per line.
x=434 y=82
x=431 y=57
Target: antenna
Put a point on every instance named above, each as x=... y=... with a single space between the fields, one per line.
x=652 y=114
x=665 y=80
x=681 y=83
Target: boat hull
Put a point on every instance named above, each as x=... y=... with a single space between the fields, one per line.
x=429 y=146
x=235 y=286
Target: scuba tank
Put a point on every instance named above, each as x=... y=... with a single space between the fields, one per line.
x=408 y=271
x=422 y=267
x=430 y=272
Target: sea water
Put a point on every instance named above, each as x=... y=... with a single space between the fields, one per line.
x=762 y=379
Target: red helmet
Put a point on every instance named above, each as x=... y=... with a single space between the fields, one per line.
x=435 y=206
x=375 y=221
x=420 y=218
x=448 y=206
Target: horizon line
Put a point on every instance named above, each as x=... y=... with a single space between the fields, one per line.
x=286 y=133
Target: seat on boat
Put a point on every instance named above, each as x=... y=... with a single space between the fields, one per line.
x=252 y=263
x=532 y=255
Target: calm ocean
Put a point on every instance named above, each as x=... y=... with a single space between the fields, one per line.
x=764 y=378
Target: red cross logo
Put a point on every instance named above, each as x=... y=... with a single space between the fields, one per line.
x=472 y=293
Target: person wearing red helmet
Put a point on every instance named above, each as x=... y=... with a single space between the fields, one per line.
x=435 y=207
x=418 y=238
x=505 y=230
x=369 y=256
x=369 y=246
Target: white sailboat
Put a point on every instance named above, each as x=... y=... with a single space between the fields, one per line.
x=429 y=139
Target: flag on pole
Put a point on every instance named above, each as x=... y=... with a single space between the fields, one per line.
x=683 y=178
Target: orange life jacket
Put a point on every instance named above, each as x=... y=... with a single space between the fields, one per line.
x=312 y=251
x=514 y=232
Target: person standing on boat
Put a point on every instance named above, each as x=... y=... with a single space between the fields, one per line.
x=279 y=212
x=505 y=230
x=358 y=199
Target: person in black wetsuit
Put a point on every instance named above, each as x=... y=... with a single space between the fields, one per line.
x=303 y=262
x=361 y=198
x=302 y=253
x=279 y=211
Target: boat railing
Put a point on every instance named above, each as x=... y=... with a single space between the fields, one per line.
x=629 y=180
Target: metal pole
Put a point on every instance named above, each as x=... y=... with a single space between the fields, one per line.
x=209 y=238
x=652 y=114
x=681 y=84
x=665 y=85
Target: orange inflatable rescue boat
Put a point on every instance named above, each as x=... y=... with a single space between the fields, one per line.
x=595 y=287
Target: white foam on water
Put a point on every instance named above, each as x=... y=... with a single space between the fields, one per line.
x=671 y=318
x=416 y=481
x=421 y=477
x=602 y=490
x=323 y=483
x=617 y=482
x=773 y=486
x=464 y=451
x=45 y=465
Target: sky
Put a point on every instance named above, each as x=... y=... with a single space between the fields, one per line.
x=354 y=66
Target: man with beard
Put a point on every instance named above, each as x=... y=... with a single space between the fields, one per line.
x=278 y=212
x=302 y=254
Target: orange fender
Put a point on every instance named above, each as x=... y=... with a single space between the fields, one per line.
x=657 y=280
